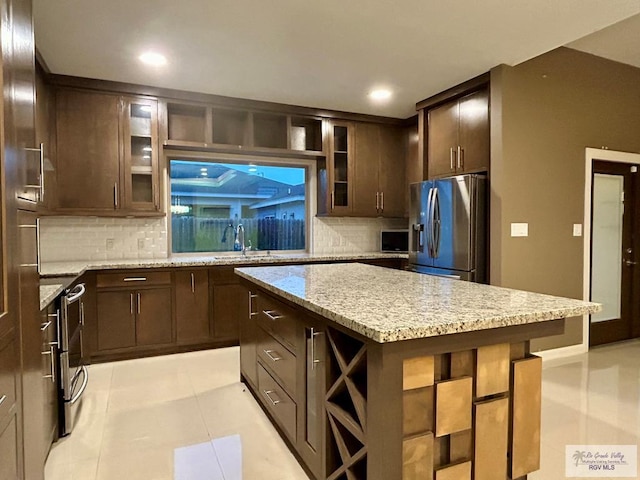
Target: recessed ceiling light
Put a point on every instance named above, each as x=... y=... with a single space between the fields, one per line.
x=204 y=174
x=203 y=169
x=253 y=169
x=380 y=94
x=146 y=157
x=153 y=58
x=147 y=149
x=145 y=108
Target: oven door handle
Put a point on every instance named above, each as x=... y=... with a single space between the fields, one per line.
x=76 y=293
x=85 y=381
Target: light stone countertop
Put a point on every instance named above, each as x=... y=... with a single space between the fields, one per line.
x=48 y=294
x=55 y=269
x=388 y=305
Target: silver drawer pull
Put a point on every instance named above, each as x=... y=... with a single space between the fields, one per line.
x=267 y=393
x=2 y=399
x=135 y=279
x=268 y=354
x=272 y=314
x=44 y=326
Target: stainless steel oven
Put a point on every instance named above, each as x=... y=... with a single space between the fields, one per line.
x=74 y=376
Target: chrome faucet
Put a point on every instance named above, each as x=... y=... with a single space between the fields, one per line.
x=240 y=239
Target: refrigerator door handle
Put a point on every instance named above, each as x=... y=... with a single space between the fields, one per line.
x=428 y=223
x=432 y=227
x=435 y=215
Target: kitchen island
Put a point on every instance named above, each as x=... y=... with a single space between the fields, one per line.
x=378 y=374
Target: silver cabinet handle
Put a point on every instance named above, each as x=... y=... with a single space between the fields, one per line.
x=251 y=312
x=382 y=201
x=40 y=185
x=460 y=160
x=139 y=297
x=193 y=284
x=267 y=393
x=452 y=155
x=44 y=326
x=81 y=313
x=115 y=194
x=135 y=279
x=38 y=255
x=131 y=303
x=2 y=399
x=272 y=314
x=314 y=360
x=51 y=352
x=629 y=263
x=333 y=200
x=268 y=354
x=377 y=201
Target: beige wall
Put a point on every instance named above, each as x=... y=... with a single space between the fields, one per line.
x=545 y=112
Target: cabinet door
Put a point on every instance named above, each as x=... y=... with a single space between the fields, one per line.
x=192 y=306
x=88 y=151
x=442 y=139
x=249 y=340
x=229 y=306
x=116 y=320
x=154 y=319
x=340 y=168
x=474 y=132
x=366 y=195
x=44 y=110
x=392 y=172
x=140 y=161
x=311 y=411
x=50 y=375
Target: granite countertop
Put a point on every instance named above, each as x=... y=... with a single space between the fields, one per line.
x=48 y=269
x=48 y=294
x=388 y=305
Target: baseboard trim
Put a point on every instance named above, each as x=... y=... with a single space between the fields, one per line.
x=562 y=352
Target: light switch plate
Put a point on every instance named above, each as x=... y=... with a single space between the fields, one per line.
x=110 y=242
x=577 y=229
x=519 y=229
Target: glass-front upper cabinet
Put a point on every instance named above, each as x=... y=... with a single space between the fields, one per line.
x=341 y=158
x=140 y=132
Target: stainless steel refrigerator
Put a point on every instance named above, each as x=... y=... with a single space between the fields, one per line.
x=448 y=227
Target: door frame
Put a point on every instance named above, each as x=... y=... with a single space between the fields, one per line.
x=592 y=154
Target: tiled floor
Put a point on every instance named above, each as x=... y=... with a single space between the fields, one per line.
x=186 y=417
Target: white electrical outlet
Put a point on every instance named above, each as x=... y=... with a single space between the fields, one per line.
x=577 y=229
x=519 y=229
x=110 y=242
x=140 y=243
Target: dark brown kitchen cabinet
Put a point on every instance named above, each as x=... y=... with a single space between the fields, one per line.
x=229 y=304
x=115 y=320
x=106 y=154
x=249 y=331
x=50 y=373
x=87 y=151
x=458 y=136
x=134 y=310
x=193 y=323
x=310 y=397
x=364 y=174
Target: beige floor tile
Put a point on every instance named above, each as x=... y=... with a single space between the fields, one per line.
x=174 y=424
x=197 y=462
x=84 y=443
x=137 y=464
x=172 y=387
x=82 y=470
x=129 y=373
x=100 y=375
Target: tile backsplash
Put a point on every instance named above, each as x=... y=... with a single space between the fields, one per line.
x=350 y=235
x=93 y=238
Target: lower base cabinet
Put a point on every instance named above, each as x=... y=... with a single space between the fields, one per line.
x=193 y=312
x=229 y=304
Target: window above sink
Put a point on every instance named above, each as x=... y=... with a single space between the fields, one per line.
x=253 y=207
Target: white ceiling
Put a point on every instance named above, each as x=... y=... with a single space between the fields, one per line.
x=326 y=54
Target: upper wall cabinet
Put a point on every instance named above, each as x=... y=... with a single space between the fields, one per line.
x=199 y=126
x=458 y=136
x=364 y=172
x=106 y=154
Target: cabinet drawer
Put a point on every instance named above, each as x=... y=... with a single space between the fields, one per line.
x=7 y=377
x=277 y=402
x=132 y=279
x=278 y=319
x=223 y=275
x=278 y=359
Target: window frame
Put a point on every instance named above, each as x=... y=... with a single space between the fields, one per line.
x=213 y=157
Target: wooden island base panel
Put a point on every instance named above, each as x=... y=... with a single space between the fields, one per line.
x=376 y=374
